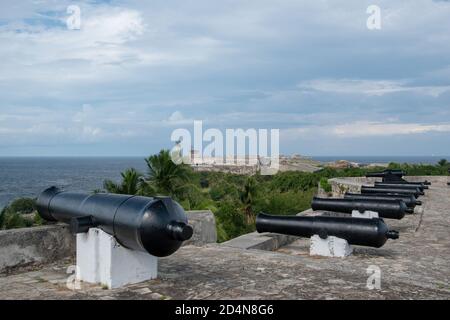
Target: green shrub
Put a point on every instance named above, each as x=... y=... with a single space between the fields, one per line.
x=2 y=218
x=224 y=191
x=285 y=203
x=21 y=213
x=14 y=220
x=38 y=221
x=23 y=205
x=325 y=185
x=230 y=221
x=422 y=169
x=204 y=183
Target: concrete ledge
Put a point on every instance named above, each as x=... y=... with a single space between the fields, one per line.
x=40 y=245
x=261 y=241
x=264 y=241
x=204 y=225
x=22 y=247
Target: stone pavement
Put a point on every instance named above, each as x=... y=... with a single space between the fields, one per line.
x=417 y=266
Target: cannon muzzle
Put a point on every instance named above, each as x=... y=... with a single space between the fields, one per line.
x=364 y=232
x=410 y=201
x=156 y=225
x=391 y=209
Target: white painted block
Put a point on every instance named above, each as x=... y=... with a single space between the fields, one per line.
x=100 y=259
x=329 y=247
x=365 y=214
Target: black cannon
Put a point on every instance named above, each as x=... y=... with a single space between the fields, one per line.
x=410 y=201
x=393 y=209
x=155 y=225
x=416 y=192
x=393 y=176
x=421 y=187
x=388 y=175
x=364 y=232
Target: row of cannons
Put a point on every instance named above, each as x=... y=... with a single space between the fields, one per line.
x=120 y=237
x=333 y=232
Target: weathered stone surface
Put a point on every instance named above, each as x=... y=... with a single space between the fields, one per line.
x=204 y=224
x=416 y=266
x=27 y=246
x=261 y=241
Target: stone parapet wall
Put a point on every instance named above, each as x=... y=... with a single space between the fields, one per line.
x=38 y=245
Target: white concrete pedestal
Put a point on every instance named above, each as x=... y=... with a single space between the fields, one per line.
x=365 y=214
x=330 y=247
x=100 y=259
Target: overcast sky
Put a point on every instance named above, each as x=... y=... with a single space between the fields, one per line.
x=137 y=70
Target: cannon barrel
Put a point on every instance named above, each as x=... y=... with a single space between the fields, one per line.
x=415 y=192
x=395 y=180
x=390 y=173
x=364 y=232
x=410 y=201
x=155 y=225
x=421 y=187
x=394 y=176
x=394 y=209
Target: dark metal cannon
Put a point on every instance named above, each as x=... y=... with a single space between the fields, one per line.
x=421 y=187
x=388 y=175
x=394 y=209
x=366 y=190
x=410 y=201
x=364 y=232
x=155 y=225
x=393 y=176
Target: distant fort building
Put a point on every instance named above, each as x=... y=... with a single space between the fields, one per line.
x=250 y=164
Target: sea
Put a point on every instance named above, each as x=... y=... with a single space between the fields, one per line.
x=28 y=176
x=383 y=159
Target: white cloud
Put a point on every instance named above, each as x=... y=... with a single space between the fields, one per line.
x=176 y=116
x=369 y=87
x=365 y=129
x=360 y=129
x=148 y=66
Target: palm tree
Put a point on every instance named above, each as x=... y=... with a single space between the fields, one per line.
x=443 y=162
x=165 y=176
x=132 y=183
x=247 y=196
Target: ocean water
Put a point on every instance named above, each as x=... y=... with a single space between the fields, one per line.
x=27 y=177
x=384 y=159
